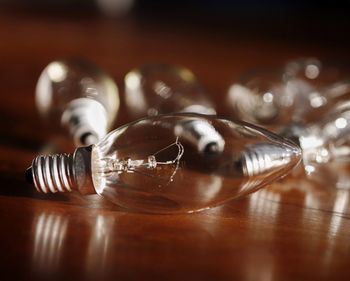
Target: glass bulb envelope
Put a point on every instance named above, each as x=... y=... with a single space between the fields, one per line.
x=151 y=165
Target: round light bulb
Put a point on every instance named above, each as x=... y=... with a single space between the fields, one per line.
x=305 y=89
x=312 y=73
x=79 y=95
x=262 y=97
x=162 y=89
x=150 y=166
x=318 y=85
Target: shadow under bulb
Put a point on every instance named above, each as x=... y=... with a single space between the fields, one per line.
x=147 y=165
x=163 y=89
x=80 y=96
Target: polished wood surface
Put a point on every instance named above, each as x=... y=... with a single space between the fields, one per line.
x=293 y=230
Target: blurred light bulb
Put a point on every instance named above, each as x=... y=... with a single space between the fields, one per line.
x=311 y=73
x=149 y=166
x=318 y=85
x=325 y=141
x=304 y=90
x=115 y=8
x=80 y=96
x=163 y=89
x=262 y=97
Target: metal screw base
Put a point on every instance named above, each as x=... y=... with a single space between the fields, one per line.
x=52 y=174
x=259 y=159
x=63 y=172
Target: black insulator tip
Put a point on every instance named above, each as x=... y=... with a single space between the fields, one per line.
x=212 y=148
x=29 y=175
x=84 y=137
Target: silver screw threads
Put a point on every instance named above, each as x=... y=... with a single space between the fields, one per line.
x=259 y=159
x=53 y=173
x=63 y=172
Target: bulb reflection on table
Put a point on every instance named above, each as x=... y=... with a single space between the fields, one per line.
x=54 y=243
x=100 y=245
x=306 y=199
x=264 y=203
x=49 y=240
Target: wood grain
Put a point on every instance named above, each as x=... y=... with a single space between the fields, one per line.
x=293 y=230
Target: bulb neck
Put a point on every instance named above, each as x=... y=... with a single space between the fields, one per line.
x=87 y=121
x=63 y=172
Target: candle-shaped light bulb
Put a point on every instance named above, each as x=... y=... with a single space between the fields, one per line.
x=80 y=96
x=262 y=97
x=150 y=166
x=162 y=89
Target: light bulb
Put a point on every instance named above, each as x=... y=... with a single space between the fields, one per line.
x=325 y=141
x=149 y=166
x=79 y=95
x=162 y=89
x=305 y=89
x=262 y=97
x=313 y=74
x=318 y=85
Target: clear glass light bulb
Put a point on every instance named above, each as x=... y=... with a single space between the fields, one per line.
x=79 y=95
x=304 y=90
x=262 y=97
x=313 y=73
x=150 y=166
x=318 y=85
x=162 y=89
x=325 y=141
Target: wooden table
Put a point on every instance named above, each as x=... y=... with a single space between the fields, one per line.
x=293 y=230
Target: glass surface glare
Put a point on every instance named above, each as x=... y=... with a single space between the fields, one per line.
x=149 y=165
x=319 y=85
x=162 y=89
x=328 y=139
x=80 y=96
x=300 y=92
x=262 y=97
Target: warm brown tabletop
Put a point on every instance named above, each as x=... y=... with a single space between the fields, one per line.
x=294 y=230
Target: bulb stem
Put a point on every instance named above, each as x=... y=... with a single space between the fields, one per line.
x=62 y=172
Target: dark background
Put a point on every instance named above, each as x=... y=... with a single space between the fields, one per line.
x=325 y=21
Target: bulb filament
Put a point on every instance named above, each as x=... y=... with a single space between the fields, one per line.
x=130 y=166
